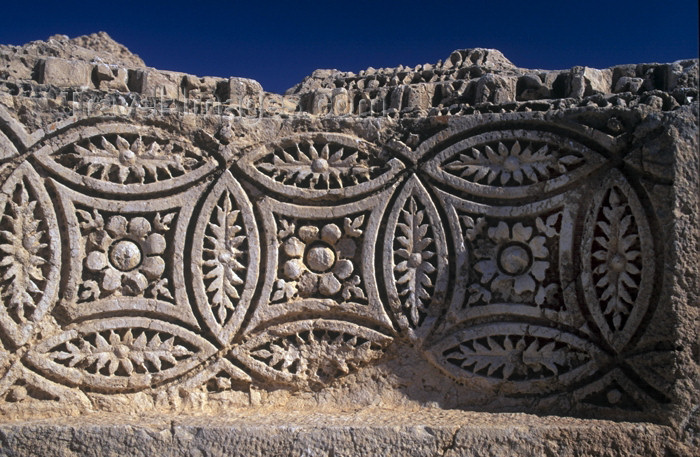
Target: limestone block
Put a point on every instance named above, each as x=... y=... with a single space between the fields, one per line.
x=627 y=84
x=155 y=83
x=242 y=88
x=190 y=82
x=531 y=87
x=495 y=89
x=102 y=72
x=120 y=82
x=64 y=73
x=419 y=96
x=585 y=81
x=348 y=434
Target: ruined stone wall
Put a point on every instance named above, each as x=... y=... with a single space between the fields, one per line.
x=467 y=235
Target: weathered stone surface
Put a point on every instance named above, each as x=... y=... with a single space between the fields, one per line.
x=425 y=433
x=64 y=73
x=466 y=235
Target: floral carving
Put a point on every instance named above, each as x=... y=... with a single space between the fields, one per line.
x=129 y=158
x=511 y=357
x=318 y=166
x=321 y=166
x=160 y=277
x=312 y=352
x=320 y=261
x=616 y=259
x=122 y=355
x=415 y=268
x=125 y=254
x=415 y=258
x=30 y=254
x=117 y=354
x=226 y=258
x=512 y=165
x=526 y=358
x=23 y=254
x=511 y=260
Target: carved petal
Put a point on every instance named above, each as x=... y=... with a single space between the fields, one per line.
x=311 y=352
x=513 y=163
x=515 y=358
x=226 y=257
x=617 y=256
x=415 y=258
x=124 y=159
x=321 y=166
x=30 y=253
x=120 y=354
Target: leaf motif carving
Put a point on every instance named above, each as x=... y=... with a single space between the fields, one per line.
x=121 y=159
x=515 y=357
x=226 y=245
x=311 y=352
x=415 y=257
x=129 y=159
x=617 y=256
x=533 y=356
x=128 y=353
x=304 y=166
x=322 y=165
x=512 y=163
x=122 y=355
x=225 y=258
x=29 y=253
x=25 y=250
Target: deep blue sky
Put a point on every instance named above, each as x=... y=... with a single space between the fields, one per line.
x=278 y=43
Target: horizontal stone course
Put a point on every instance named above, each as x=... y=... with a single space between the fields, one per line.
x=368 y=432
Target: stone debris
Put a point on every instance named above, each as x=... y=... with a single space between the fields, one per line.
x=429 y=240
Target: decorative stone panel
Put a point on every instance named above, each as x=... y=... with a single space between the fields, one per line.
x=504 y=260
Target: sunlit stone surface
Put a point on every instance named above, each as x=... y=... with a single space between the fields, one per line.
x=369 y=258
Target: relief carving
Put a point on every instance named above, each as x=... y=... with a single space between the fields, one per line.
x=516 y=357
x=127 y=160
x=322 y=165
x=618 y=261
x=513 y=258
x=226 y=257
x=29 y=253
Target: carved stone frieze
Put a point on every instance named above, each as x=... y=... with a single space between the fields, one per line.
x=527 y=261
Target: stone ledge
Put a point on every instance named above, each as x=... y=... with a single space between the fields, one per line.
x=426 y=432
